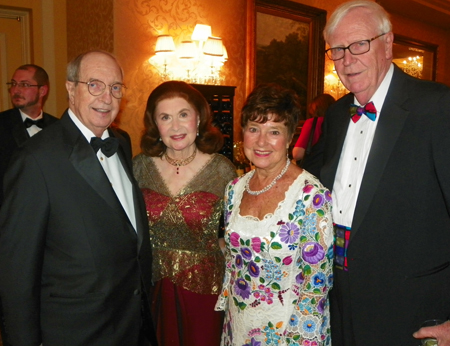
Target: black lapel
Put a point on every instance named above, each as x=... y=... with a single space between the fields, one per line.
x=390 y=125
x=334 y=136
x=125 y=155
x=86 y=163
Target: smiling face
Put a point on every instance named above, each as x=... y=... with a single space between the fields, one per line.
x=361 y=74
x=177 y=123
x=95 y=112
x=29 y=100
x=266 y=144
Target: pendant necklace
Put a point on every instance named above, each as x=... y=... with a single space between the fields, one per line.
x=178 y=163
x=268 y=187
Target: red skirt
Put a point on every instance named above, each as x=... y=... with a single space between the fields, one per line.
x=185 y=318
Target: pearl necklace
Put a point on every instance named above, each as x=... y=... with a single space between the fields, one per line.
x=178 y=163
x=268 y=187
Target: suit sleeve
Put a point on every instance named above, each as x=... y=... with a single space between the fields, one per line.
x=23 y=220
x=441 y=147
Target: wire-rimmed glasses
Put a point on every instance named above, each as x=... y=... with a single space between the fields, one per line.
x=97 y=87
x=21 y=85
x=355 y=48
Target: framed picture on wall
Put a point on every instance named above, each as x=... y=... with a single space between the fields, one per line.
x=286 y=46
x=416 y=58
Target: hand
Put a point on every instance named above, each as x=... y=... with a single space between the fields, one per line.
x=440 y=332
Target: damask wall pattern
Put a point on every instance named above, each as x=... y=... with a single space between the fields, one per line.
x=90 y=25
x=137 y=25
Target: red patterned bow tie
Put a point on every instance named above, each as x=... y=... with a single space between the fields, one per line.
x=369 y=110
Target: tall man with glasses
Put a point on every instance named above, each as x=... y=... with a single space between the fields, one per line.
x=386 y=159
x=75 y=256
x=28 y=90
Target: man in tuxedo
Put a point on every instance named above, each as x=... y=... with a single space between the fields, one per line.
x=386 y=158
x=28 y=90
x=75 y=256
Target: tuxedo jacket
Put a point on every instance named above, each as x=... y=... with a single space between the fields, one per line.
x=72 y=267
x=13 y=134
x=399 y=250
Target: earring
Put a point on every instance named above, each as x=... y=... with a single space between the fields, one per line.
x=160 y=139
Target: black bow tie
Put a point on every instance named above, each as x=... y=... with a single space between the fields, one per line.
x=108 y=145
x=30 y=122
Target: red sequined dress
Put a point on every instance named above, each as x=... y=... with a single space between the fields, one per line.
x=188 y=265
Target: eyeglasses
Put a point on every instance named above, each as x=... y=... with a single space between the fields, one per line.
x=355 y=48
x=97 y=88
x=21 y=85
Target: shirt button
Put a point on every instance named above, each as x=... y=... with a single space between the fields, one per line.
x=350 y=185
x=137 y=292
x=362 y=132
x=356 y=159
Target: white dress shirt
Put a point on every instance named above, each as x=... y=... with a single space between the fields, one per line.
x=32 y=130
x=353 y=160
x=114 y=170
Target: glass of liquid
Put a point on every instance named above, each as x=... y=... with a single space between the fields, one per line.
x=430 y=341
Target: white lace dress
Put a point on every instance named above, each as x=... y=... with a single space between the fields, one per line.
x=279 y=269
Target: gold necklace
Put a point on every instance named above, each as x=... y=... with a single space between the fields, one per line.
x=178 y=163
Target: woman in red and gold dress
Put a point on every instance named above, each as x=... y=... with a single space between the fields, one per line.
x=183 y=180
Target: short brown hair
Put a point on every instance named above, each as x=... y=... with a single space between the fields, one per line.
x=209 y=140
x=40 y=75
x=271 y=101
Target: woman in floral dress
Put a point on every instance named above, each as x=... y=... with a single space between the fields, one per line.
x=278 y=236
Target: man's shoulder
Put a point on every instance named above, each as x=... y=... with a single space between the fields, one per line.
x=8 y=115
x=417 y=88
x=50 y=118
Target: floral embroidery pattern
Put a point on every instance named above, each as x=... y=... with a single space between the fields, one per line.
x=286 y=266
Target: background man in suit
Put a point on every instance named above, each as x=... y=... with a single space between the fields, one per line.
x=390 y=179
x=75 y=257
x=28 y=90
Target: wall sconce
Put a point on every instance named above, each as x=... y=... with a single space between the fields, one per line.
x=194 y=63
x=165 y=47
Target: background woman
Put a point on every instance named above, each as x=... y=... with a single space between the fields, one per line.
x=316 y=109
x=278 y=234
x=183 y=183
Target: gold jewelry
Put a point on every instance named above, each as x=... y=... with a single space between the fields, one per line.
x=178 y=163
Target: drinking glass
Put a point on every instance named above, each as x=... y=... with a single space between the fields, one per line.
x=430 y=341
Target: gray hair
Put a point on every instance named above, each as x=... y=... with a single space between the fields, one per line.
x=73 y=68
x=379 y=15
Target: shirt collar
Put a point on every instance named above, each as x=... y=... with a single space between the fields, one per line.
x=25 y=116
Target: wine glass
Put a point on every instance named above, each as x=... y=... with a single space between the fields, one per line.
x=430 y=341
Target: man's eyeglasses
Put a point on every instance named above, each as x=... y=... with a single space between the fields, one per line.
x=355 y=48
x=21 y=85
x=97 y=88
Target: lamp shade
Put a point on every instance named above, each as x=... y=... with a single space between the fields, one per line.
x=164 y=45
x=213 y=47
x=187 y=50
x=225 y=53
x=201 y=32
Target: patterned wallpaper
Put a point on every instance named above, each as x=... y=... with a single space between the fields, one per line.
x=129 y=29
x=138 y=23
x=90 y=25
